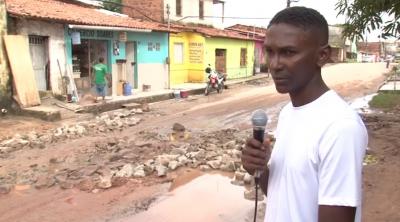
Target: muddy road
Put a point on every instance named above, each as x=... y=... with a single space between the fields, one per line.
x=131 y=166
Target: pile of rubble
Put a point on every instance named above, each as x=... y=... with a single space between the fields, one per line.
x=117 y=120
x=113 y=162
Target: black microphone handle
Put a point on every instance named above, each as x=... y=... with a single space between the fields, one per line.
x=258 y=134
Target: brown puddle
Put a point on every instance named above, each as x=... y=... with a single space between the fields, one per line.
x=209 y=197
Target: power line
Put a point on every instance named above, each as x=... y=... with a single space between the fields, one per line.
x=228 y=17
x=194 y=16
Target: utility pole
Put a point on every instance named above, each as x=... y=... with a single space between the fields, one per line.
x=168 y=18
x=288 y=2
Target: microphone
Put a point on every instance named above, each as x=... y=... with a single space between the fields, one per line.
x=259 y=120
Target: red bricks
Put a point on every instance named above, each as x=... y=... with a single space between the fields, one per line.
x=144 y=9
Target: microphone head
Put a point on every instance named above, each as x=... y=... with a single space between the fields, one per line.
x=259 y=118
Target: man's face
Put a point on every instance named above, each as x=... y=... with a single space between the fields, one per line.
x=292 y=57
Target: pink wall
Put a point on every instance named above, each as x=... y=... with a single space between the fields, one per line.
x=259 y=47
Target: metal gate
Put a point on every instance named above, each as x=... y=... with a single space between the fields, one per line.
x=37 y=48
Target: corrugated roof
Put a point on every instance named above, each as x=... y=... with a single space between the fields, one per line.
x=63 y=12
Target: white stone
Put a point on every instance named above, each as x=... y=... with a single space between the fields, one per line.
x=248 y=179
x=215 y=164
x=173 y=165
x=204 y=167
x=183 y=160
x=105 y=181
x=126 y=171
x=161 y=170
x=165 y=159
x=239 y=176
x=139 y=171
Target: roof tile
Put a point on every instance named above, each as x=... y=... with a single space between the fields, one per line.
x=74 y=14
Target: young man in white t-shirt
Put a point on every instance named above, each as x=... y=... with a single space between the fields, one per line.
x=313 y=173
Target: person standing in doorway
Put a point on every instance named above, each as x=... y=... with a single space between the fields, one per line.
x=100 y=78
x=314 y=171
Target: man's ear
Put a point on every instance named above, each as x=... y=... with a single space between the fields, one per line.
x=324 y=55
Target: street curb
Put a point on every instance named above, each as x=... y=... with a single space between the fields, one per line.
x=112 y=105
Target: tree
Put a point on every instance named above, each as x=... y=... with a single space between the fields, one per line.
x=366 y=15
x=112 y=5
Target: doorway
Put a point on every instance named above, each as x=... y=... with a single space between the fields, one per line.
x=38 y=48
x=220 y=60
x=131 y=64
x=84 y=57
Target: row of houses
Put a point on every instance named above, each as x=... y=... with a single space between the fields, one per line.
x=67 y=37
x=155 y=43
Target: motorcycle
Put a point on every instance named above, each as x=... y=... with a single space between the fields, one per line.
x=215 y=81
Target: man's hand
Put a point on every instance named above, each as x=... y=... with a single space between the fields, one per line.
x=255 y=155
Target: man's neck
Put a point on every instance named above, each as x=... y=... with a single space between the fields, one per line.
x=315 y=88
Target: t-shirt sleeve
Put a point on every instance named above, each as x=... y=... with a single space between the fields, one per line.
x=105 y=70
x=341 y=155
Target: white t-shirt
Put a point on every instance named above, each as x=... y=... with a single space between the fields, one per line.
x=317 y=160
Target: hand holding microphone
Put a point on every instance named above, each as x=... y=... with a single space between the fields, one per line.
x=256 y=152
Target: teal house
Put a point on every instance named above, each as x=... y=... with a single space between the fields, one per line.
x=138 y=57
x=66 y=39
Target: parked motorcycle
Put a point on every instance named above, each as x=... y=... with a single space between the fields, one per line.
x=215 y=81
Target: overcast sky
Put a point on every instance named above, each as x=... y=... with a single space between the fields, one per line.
x=268 y=8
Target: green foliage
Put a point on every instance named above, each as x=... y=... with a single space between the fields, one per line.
x=112 y=5
x=366 y=15
x=385 y=100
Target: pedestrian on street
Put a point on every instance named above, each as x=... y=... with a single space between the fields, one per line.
x=101 y=76
x=313 y=172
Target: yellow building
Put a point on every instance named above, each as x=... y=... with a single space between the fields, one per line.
x=192 y=51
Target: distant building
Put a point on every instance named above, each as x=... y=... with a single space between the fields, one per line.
x=342 y=48
x=258 y=35
x=185 y=11
x=371 y=51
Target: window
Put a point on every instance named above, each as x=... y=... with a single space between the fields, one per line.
x=201 y=9
x=178 y=7
x=178 y=53
x=243 y=57
x=153 y=46
x=150 y=46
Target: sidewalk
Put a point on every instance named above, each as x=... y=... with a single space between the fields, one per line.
x=117 y=102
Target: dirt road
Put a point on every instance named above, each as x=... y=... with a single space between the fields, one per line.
x=98 y=150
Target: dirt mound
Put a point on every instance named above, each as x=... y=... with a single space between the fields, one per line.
x=382 y=177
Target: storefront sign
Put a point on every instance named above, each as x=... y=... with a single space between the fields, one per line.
x=196 y=52
x=76 y=38
x=95 y=33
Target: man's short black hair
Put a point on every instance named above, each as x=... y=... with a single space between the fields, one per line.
x=307 y=18
x=101 y=59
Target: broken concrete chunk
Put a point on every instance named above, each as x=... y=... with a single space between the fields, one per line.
x=139 y=171
x=161 y=170
x=215 y=164
x=173 y=165
x=126 y=171
x=44 y=182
